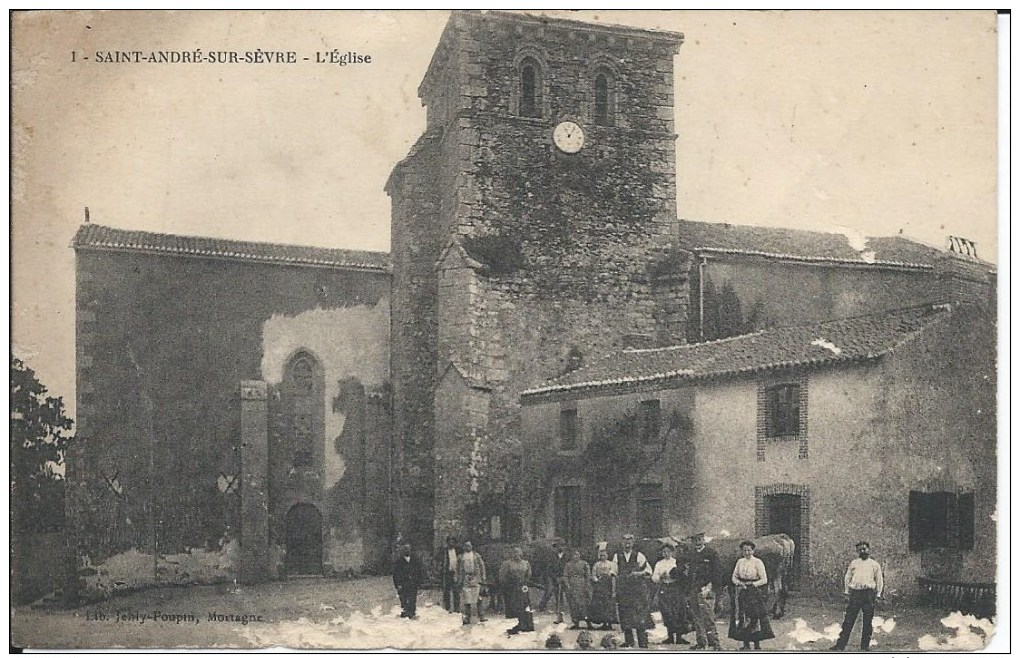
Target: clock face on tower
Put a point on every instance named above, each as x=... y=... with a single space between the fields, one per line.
x=568 y=137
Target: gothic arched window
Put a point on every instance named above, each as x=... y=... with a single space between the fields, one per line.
x=304 y=388
x=531 y=88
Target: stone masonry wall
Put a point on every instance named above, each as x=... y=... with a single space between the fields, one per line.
x=939 y=396
x=774 y=293
x=573 y=249
x=416 y=241
x=163 y=344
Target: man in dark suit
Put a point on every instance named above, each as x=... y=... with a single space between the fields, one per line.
x=702 y=569
x=407 y=577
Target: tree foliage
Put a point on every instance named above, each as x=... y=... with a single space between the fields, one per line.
x=724 y=315
x=39 y=435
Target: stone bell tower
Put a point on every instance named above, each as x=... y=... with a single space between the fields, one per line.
x=531 y=225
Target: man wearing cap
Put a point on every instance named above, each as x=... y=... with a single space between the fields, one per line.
x=862 y=586
x=703 y=570
x=407 y=577
x=632 y=594
x=554 y=580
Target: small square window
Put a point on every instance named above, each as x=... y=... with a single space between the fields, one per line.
x=568 y=429
x=783 y=410
x=650 y=511
x=649 y=421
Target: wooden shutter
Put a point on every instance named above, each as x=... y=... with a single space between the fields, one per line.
x=917 y=521
x=965 y=521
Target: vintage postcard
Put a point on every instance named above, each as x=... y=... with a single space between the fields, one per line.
x=505 y=330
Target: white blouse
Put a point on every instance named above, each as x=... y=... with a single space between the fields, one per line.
x=662 y=569
x=750 y=569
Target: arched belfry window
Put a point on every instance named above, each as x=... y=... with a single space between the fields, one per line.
x=605 y=99
x=304 y=400
x=530 y=88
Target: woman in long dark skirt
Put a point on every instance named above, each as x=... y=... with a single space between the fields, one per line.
x=749 y=619
x=602 y=609
x=514 y=576
x=668 y=579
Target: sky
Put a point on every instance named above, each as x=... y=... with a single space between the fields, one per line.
x=861 y=122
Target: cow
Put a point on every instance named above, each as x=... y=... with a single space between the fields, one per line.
x=775 y=551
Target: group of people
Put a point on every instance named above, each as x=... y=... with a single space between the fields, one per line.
x=463 y=578
x=620 y=590
x=623 y=588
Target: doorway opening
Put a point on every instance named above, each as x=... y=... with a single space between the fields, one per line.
x=784 y=513
x=304 y=541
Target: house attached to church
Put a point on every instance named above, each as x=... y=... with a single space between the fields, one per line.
x=878 y=427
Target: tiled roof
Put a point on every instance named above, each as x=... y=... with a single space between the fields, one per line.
x=802 y=245
x=93 y=237
x=846 y=340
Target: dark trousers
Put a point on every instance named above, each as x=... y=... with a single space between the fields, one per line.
x=863 y=601
x=554 y=591
x=408 y=595
x=642 y=638
x=702 y=608
x=451 y=594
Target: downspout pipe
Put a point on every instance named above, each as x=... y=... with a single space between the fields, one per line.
x=701 y=297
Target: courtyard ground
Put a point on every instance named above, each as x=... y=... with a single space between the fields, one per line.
x=362 y=613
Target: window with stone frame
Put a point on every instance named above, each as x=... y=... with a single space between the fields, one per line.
x=303 y=386
x=783 y=410
x=650 y=421
x=941 y=520
x=530 y=88
x=604 y=101
x=568 y=429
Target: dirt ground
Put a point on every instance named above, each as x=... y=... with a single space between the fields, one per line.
x=362 y=613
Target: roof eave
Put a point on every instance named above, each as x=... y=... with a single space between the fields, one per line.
x=82 y=246
x=598 y=389
x=809 y=260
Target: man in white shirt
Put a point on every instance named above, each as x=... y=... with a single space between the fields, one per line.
x=862 y=586
x=451 y=591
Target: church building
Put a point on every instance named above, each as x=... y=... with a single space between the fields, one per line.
x=542 y=320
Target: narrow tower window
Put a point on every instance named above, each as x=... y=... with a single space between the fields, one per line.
x=601 y=100
x=531 y=89
x=604 y=99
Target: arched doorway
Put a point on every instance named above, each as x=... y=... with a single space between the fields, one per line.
x=304 y=540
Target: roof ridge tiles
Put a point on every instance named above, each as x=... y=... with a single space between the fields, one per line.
x=96 y=236
x=864 y=337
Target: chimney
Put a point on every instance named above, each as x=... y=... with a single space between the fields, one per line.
x=962 y=277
